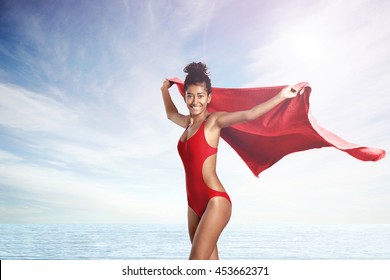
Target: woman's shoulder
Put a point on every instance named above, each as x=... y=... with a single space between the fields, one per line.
x=213 y=117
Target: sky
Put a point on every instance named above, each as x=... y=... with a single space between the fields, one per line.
x=83 y=132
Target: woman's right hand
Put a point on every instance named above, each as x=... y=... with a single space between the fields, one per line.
x=166 y=85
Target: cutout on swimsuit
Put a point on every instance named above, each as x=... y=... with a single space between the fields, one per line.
x=194 y=151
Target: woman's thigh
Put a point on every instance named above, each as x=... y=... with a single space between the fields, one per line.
x=213 y=221
x=193 y=222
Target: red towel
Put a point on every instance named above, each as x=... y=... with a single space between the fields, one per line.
x=287 y=128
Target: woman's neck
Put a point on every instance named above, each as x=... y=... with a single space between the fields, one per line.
x=200 y=118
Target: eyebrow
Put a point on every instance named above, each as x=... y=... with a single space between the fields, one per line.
x=201 y=92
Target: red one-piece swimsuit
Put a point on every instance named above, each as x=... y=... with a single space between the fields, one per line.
x=193 y=152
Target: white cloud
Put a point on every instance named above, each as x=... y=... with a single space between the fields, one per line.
x=68 y=167
x=40 y=191
x=29 y=111
x=341 y=50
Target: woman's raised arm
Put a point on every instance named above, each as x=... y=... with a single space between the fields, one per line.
x=170 y=108
x=229 y=119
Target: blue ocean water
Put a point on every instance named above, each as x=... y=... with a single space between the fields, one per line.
x=121 y=241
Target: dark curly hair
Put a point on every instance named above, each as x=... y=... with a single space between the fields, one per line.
x=197 y=73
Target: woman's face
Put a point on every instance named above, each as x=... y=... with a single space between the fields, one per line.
x=196 y=98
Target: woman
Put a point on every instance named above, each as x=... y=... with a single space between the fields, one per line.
x=209 y=206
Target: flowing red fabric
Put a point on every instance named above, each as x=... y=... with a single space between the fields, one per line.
x=287 y=128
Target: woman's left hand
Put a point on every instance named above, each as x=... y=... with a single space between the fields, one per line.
x=289 y=92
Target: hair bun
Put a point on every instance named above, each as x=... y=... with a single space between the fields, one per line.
x=197 y=74
x=197 y=68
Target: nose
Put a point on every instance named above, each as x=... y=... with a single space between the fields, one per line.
x=194 y=100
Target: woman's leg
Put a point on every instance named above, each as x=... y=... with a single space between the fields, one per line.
x=214 y=254
x=214 y=220
x=193 y=221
